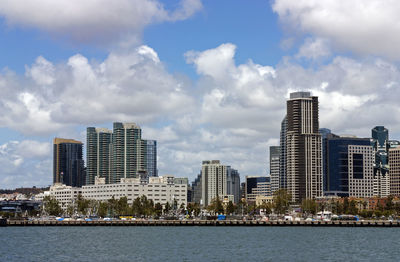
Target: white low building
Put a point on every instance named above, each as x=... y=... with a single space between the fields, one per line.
x=159 y=189
x=65 y=195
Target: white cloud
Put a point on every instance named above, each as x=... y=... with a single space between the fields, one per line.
x=314 y=49
x=125 y=86
x=25 y=163
x=233 y=113
x=93 y=21
x=366 y=27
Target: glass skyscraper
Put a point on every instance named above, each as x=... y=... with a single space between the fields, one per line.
x=337 y=179
x=68 y=165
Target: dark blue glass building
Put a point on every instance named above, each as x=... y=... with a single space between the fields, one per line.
x=68 y=165
x=337 y=179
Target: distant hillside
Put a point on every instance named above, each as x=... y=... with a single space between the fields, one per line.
x=24 y=190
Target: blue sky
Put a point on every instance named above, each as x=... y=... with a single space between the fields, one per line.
x=207 y=79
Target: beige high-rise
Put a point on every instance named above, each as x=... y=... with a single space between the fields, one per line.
x=394 y=170
x=303 y=147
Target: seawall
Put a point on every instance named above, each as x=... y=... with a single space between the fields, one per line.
x=371 y=223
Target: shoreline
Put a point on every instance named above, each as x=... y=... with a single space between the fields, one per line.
x=369 y=223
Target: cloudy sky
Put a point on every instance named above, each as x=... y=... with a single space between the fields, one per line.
x=206 y=79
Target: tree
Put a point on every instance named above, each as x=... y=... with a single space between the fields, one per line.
x=51 y=206
x=281 y=201
x=230 y=208
x=158 y=209
x=70 y=210
x=112 y=206
x=242 y=206
x=137 y=207
x=123 y=206
x=147 y=206
x=309 y=206
x=216 y=206
x=353 y=208
x=389 y=203
x=83 y=205
x=102 y=209
x=346 y=205
x=266 y=207
x=167 y=208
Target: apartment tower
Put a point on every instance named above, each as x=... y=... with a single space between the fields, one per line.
x=127 y=151
x=98 y=151
x=303 y=147
x=274 y=154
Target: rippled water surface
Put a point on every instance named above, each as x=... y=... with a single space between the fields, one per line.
x=199 y=244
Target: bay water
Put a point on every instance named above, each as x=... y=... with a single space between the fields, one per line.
x=199 y=244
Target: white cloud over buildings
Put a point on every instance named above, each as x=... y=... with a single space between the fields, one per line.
x=232 y=112
x=364 y=27
x=94 y=21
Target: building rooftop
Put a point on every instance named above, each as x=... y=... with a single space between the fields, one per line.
x=300 y=94
x=58 y=140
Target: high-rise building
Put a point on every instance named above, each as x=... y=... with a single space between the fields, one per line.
x=274 y=155
x=394 y=172
x=282 y=157
x=121 y=153
x=151 y=157
x=338 y=163
x=303 y=147
x=98 y=152
x=257 y=186
x=68 y=165
x=196 y=190
x=233 y=184
x=380 y=143
x=214 y=182
x=361 y=171
x=127 y=154
x=325 y=134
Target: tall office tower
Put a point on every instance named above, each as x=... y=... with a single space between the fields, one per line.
x=303 y=147
x=282 y=157
x=214 y=182
x=68 y=165
x=233 y=184
x=361 y=172
x=196 y=189
x=380 y=143
x=394 y=173
x=98 y=152
x=325 y=134
x=338 y=164
x=151 y=157
x=128 y=157
x=257 y=186
x=274 y=155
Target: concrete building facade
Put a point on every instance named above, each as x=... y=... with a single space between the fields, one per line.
x=282 y=156
x=161 y=190
x=303 y=147
x=65 y=195
x=394 y=172
x=257 y=186
x=214 y=182
x=274 y=156
x=361 y=170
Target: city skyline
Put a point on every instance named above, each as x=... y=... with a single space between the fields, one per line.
x=200 y=81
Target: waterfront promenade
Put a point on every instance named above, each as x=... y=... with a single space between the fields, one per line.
x=371 y=223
